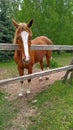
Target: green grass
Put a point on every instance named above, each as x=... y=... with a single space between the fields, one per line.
x=8 y=69
x=55 y=106
x=63 y=59
x=7 y=112
x=59 y=60
x=7 y=64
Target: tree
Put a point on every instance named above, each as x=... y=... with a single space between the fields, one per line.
x=51 y=18
x=6 y=28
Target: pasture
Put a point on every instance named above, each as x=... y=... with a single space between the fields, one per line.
x=50 y=109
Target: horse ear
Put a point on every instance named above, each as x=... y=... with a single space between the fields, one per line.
x=15 y=23
x=30 y=23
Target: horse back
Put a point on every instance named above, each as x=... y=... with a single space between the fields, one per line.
x=41 y=40
x=39 y=54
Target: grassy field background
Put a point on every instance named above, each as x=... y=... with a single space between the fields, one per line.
x=54 y=106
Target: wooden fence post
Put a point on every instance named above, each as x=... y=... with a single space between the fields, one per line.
x=71 y=76
x=68 y=72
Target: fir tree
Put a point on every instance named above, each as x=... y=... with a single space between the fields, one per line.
x=6 y=28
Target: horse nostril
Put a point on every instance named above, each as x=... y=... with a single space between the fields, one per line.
x=23 y=60
x=26 y=60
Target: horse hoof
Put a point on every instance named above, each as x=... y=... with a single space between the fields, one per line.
x=28 y=92
x=40 y=79
x=20 y=95
x=34 y=101
x=46 y=78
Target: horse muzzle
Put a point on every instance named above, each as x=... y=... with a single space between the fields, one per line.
x=26 y=61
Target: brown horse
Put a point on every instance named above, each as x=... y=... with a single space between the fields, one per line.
x=26 y=58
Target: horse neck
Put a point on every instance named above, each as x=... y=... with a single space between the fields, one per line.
x=14 y=41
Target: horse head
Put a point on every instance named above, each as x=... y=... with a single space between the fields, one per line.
x=23 y=37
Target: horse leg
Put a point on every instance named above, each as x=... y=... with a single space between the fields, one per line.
x=42 y=68
x=29 y=80
x=21 y=73
x=48 y=57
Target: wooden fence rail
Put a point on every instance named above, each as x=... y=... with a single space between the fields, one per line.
x=6 y=46
x=34 y=75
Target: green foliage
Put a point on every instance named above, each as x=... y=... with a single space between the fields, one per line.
x=54 y=64
x=6 y=56
x=51 y=18
x=6 y=29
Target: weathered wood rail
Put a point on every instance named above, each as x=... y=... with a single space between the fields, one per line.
x=6 y=46
x=34 y=75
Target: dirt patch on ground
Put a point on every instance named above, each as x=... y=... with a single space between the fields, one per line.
x=13 y=89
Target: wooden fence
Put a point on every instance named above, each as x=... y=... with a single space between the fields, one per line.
x=7 y=46
x=34 y=75
x=38 y=74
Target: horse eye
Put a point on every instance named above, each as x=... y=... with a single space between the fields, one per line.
x=19 y=37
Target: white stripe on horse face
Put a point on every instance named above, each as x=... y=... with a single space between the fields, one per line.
x=24 y=36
